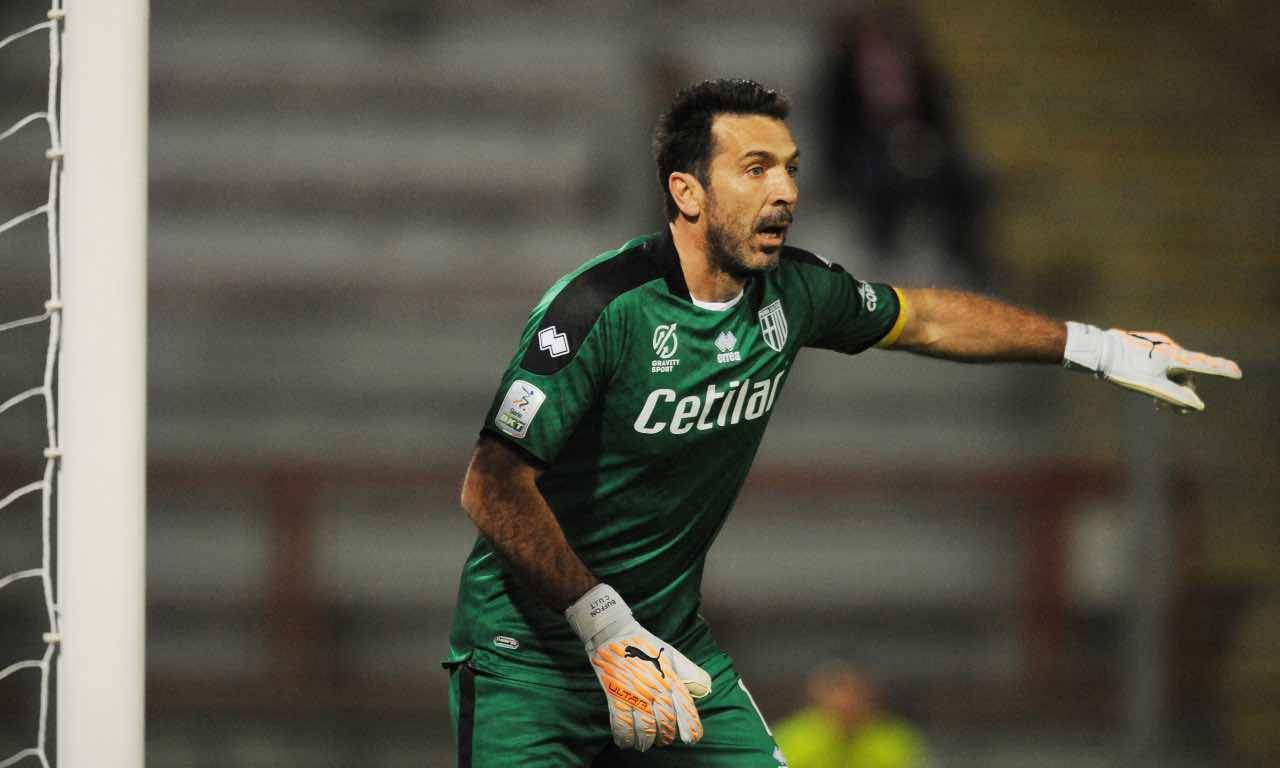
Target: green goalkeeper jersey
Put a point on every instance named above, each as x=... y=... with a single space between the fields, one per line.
x=645 y=411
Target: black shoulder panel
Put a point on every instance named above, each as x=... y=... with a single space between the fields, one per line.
x=812 y=259
x=575 y=310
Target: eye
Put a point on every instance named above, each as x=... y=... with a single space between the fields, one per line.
x=793 y=170
x=756 y=170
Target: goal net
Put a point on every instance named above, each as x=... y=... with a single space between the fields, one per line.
x=87 y=471
x=43 y=389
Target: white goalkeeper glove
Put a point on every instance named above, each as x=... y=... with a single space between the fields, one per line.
x=1151 y=363
x=649 y=685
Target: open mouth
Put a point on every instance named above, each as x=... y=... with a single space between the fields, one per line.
x=772 y=235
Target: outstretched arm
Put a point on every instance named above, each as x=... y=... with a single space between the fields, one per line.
x=972 y=328
x=501 y=496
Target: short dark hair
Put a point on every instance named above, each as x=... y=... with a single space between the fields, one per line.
x=682 y=138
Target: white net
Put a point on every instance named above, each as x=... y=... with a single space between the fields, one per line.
x=51 y=314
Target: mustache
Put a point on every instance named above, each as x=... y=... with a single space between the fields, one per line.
x=777 y=219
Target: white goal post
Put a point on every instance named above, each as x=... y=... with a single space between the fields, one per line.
x=102 y=386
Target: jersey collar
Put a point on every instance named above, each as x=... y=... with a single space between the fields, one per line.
x=663 y=251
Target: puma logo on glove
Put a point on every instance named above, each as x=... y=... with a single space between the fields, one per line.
x=634 y=652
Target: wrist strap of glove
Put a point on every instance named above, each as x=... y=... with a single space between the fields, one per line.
x=1084 y=347
x=594 y=612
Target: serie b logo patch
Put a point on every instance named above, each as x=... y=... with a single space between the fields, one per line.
x=518 y=408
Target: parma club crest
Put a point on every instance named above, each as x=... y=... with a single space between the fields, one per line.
x=773 y=326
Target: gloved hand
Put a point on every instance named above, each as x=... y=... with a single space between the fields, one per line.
x=649 y=685
x=1151 y=363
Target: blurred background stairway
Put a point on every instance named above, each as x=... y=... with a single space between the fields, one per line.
x=1138 y=156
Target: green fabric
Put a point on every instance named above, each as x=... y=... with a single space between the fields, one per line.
x=813 y=738
x=648 y=433
x=529 y=724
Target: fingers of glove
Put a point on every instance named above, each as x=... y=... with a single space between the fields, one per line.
x=1178 y=395
x=695 y=678
x=677 y=717
x=1181 y=360
x=1186 y=361
x=631 y=714
x=653 y=709
x=688 y=722
x=632 y=728
x=664 y=710
x=645 y=728
x=622 y=722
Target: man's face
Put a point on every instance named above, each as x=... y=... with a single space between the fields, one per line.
x=752 y=192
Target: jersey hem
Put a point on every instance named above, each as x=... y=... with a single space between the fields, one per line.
x=532 y=458
x=561 y=669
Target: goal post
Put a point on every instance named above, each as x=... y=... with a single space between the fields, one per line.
x=102 y=386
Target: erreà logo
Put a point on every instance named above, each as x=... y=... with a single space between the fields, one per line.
x=553 y=342
x=725 y=342
x=773 y=326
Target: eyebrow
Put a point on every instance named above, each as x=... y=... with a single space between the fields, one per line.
x=763 y=155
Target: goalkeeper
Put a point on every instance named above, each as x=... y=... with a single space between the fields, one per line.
x=624 y=428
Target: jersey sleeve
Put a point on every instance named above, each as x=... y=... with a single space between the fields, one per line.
x=557 y=375
x=849 y=315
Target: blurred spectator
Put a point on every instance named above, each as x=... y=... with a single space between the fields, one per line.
x=844 y=727
x=891 y=140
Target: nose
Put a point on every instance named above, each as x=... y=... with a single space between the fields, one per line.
x=785 y=190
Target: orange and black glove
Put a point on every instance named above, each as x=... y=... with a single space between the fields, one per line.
x=650 y=686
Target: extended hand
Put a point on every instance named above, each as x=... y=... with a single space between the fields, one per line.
x=649 y=685
x=1148 y=362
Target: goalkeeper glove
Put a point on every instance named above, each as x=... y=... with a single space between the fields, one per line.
x=1151 y=363
x=649 y=685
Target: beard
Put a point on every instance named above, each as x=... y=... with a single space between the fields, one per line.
x=729 y=249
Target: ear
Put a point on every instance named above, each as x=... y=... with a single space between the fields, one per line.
x=687 y=191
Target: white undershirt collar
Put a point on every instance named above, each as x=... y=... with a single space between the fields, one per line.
x=719 y=306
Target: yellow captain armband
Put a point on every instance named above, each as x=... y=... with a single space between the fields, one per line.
x=899 y=324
